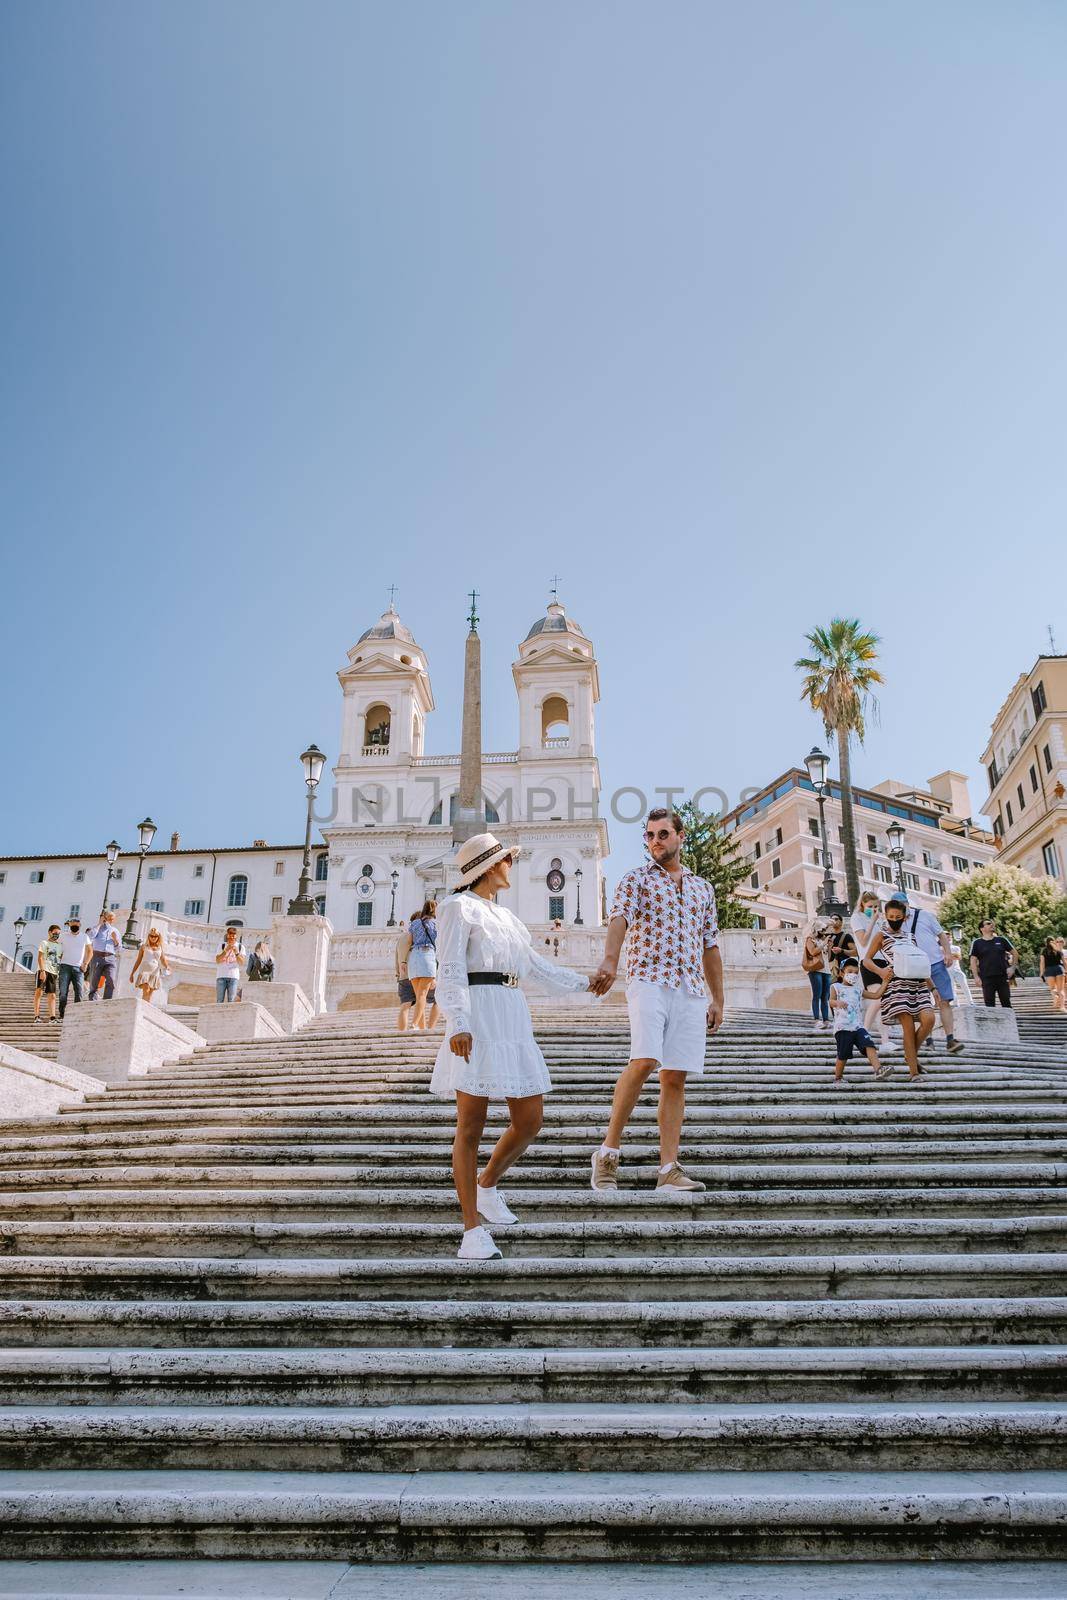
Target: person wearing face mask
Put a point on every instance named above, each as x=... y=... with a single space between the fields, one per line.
x=864 y=922
x=846 y=1000
x=907 y=1001
x=75 y=954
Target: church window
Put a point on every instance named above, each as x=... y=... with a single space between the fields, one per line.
x=555 y=720
x=237 y=894
x=275 y=904
x=322 y=867
x=364 y=913
x=435 y=817
x=555 y=908
x=320 y=904
x=376 y=728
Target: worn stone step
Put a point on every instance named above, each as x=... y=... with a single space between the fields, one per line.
x=403 y=1203
x=614 y=1236
x=145 y=1377
x=514 y=1516
x=541 y=1437
x=623 y=1278
x=577 y=1324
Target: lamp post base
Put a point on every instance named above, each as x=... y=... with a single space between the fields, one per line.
x=302 y=906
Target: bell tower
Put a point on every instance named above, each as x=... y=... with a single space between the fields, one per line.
x=558 y=685
x=387 y=697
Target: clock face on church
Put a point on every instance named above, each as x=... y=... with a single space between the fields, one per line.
x=555 y=880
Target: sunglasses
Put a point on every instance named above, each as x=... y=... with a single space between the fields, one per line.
x=663 y=833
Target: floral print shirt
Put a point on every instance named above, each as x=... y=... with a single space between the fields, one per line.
x=670 y=923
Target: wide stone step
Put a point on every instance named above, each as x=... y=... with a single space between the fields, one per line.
x=613 y=1237
x=399 y=1203
x=146 y=1377
x=540 y=1437
x=515 y=1516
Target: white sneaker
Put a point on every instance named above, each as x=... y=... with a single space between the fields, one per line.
x=477 y=1245
x=493 y=1208
x=817 y=1026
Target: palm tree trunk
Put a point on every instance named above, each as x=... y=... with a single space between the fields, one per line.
x=848 y=820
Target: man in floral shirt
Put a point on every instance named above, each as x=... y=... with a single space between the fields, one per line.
x=672 y=962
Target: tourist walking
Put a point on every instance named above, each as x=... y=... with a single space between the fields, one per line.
x=404 y=990
x=228 y=967
x=931 y=938
x=107 y=947
x=672 y=962
x=261 y=964
x=992 y=963
x=815 y=960
x=49 y=955
x=422 y=959
x=1054 y=971
x=489 y=1051
x=74 y=961
x=150 y=966
x=840 y=944
x=961 y=986
x=846 y=1000
x=865 y=922
x=906 y=997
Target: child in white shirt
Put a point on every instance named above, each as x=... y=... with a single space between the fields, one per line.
x=846 y=1002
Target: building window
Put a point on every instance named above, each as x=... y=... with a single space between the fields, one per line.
x=1046 y=754
x=1033 y=779
x=776 y=868
x=279 y=869
x=37 y=876
x=194 y=908
x=754 y=880
x=276 y=904
x=364 y=913
x=960 y=863
x=26 y=959
x=322 y=867
x=935 y=887
x=872 y=842
x=911 y=881
x=1022 y=797
x=3 y=877
x=556 y=908
x=75 y=910
x=155 y=873
x=34 y=913
x=237 y=895
x=153 y=905
x=118 y=873
x=813 y=826
x=778 y=836
x=113 y=906
x=882 y=874
x=79 y=875
x=757 y=850
x=993 y=772
x=1051 y=859
x=840 y=835
x=1037 y=695
x=198 y=870
x=1011 y=817
x=998 y=826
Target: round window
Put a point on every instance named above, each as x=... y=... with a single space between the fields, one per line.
x=366 y=872
x=555 y=863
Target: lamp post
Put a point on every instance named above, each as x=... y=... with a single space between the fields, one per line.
x=394 y=879
x=818 y=765
x=19 y=926
x=146 y=832
x=112 y=857
x=895 y=835
x=578 y=887
x=313 y=762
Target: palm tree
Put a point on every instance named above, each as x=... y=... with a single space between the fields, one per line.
x=838 y=678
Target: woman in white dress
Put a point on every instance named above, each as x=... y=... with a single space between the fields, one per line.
x=150 y=965
x=489 y=1051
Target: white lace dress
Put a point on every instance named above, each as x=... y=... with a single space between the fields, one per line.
x=474 y=935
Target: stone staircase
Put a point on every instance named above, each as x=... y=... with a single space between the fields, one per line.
x=1038 y=1023
x=233 y=1324
x=17 y=1026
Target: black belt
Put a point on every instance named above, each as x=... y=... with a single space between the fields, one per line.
x=510 y=980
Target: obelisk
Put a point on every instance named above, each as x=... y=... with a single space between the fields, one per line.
x=470 y=811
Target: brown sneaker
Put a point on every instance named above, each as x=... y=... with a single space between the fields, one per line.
x=675 y=1178
x=605 y=1172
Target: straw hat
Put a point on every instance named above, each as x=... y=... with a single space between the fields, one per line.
x=475 y=856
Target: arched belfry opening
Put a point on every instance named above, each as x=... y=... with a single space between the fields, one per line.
x=555 y=720
x=377 y=727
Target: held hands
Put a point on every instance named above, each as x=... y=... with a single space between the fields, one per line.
x=460 y=1045
x=603 y=977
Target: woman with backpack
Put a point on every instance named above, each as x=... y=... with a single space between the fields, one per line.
x=907 y=996
x=422 y=959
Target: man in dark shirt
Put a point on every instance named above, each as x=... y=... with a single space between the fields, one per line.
x=992 y=957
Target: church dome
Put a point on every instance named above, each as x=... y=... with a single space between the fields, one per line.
x=388 y=626
x=555 y=620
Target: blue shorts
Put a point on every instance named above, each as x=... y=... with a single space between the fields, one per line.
x=942 y=982
x=849 y=1039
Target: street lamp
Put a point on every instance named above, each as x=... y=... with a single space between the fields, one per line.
x=895 y=835
x=146 y=832
x=19 y=926
x=578 y=887
x=112 y=857
x=394 y=879
x=313 y=762
x=818 y=765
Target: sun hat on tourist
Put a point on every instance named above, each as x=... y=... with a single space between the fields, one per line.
x=477 y=855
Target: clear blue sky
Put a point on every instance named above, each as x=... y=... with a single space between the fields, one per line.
x=735 y=316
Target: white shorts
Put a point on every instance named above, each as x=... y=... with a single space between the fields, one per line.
x=667 y=1025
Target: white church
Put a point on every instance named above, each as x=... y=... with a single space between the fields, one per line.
x=395 y=812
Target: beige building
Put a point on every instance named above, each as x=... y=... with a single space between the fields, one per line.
x=1026 y=764
x=778 y=831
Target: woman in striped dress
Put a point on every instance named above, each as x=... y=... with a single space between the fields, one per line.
x=907 y=1001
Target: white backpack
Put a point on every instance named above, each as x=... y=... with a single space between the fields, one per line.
x=908 y=960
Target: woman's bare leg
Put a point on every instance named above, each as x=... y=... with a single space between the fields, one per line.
x=421 y=987
x=527 y=1116
x=911 y=1049
x=470 y=1124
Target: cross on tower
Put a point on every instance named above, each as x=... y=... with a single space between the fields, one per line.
x=555 y=586
x=392 y=596
x=473 y=618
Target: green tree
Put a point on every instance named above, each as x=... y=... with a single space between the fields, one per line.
x=715 y=855
x=1026 y=910
x=838 y=678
